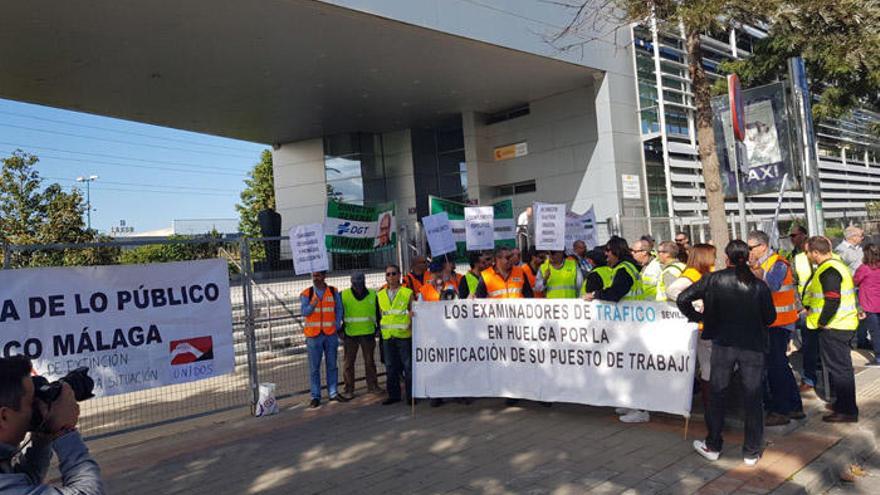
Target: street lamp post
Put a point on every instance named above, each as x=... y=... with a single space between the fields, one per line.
x=88 y=180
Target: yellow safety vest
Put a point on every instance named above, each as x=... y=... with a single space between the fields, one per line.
x=359 y=316
x=562 y=283
x=803 y=269
x=635 y=292
x=605 y=273
x=472 y=282
x=677 y=267
x=847 y=317
x=395 y=321
x=649 y=278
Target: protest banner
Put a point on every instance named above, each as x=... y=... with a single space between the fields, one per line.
x=134 y=326
x=309 y=250
x=549 y=226
x=580 y=228
x=479 y=228
x=439 y=233
x=505 y=227
x=639 y=355
x=354 y=229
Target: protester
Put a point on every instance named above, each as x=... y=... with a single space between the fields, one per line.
x=503 y=281
x=515 y=257
x=579 y=248
x=803 y=270
x=360 y=317
x=600 y=277
x=650 y=268
x=447 y=264
x=532 y=266
x=783 y=400
x=558 y=277
x=416 y=277
x=700 y=263
x=683 y=240
x=867 y=279
x=737 y=310
x=667 y=256
x=478 y=261
x=395 y=304
x=625 y=284
x=831 y=303
x=850 y=248
x=321 y=306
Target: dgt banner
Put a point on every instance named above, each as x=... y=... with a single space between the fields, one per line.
x=504 y=231
x=135 y=326
x=639 y=355
x=350 y=228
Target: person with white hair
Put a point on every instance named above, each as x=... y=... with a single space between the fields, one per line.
x=850 y=249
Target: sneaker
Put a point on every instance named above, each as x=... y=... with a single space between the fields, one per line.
x=636 y=417
x=751 y=461
x=776 y=419
x=702 y=449
x=622 y=411
x=339 y=398
x=840 y=418
x=389 y=401
x=315 y=403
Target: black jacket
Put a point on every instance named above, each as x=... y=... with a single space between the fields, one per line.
x=735 y=314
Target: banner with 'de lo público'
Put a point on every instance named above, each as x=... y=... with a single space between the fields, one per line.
x=134 y=326
x=638 y=355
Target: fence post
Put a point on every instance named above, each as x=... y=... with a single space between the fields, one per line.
x=249 y=332
x=7 y=256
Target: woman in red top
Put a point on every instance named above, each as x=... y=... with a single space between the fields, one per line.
x=867 y=280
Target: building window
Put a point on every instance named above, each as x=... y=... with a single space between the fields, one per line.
x=525 y=187
x=508 y=114
x=439 y=165
x=655 y=174
x=354 y=168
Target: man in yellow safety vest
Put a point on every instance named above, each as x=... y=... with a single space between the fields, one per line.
x=360 y=322
x=395 y=305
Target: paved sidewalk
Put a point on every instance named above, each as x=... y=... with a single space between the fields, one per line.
x=363 y=447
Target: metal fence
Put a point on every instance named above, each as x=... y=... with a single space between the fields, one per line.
x=267 y=324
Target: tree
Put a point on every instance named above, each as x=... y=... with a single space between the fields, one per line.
x=259 y=194
x=32 y=214
x=840 y=44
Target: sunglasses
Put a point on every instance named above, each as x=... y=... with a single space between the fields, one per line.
x=392 y=274
x=680 y=240
x=755 y=247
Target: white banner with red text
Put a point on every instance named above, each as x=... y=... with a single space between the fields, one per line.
x=639 y=355
x=134 y=326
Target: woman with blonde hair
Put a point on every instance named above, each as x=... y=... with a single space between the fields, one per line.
x=701 y=261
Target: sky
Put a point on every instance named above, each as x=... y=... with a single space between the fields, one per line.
x=148 y=176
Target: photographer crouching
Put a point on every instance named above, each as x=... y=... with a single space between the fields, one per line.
x=50 y=412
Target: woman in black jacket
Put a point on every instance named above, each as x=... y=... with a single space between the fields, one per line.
x=738 y=309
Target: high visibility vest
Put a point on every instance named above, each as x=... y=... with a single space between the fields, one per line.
x=649 y=278
x=359 y=316
x=395 y=322
x=498 y=288
x=531 y=277
x=846 y=317
x=412 y=282
x=676 y=267
x=635 y=292
x=785 y=299
x=562 y=282
x=429 y=292
x=804 y=270
x=323 y=317
x=472 y=282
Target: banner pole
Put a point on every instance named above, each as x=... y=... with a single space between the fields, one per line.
x=687 y=420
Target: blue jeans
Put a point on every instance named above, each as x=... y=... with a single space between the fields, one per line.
x=781 y=392
x=872 y=326
x=318 y=347
x=809 y=352
x=398 y=361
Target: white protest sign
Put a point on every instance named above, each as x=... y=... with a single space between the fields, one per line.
x=632 y=354
x=479 y=226
x=575 y=229
x=134 y=326
x=439 y=233
x=549 y=226
x=309 y=249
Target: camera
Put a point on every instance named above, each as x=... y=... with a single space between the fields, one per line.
x=48 y=392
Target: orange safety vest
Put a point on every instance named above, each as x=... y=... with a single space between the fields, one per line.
x=411 y=282
x=498 y=288
x=785 y=299
x=429 y=292
x=323 y=318
x=531 y=277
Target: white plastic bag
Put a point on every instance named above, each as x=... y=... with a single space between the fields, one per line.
x=266 y=405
